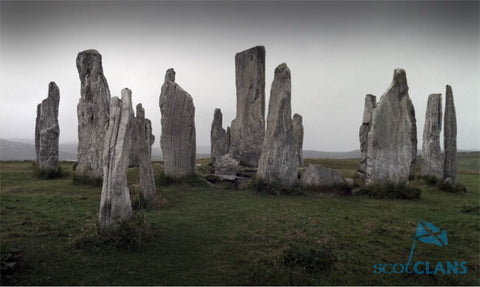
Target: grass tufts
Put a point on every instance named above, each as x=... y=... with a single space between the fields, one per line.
x=132 y=234
x=87 y=180
x=139 y=202
x=309 y=259
x=449 y=187
x=342 y=189
x=389 y=190
x=470 y=208
x=429 y=180
x=48 y=173
x=191 y=180
x=275 y=188
x=10 y=264
x=443 y=185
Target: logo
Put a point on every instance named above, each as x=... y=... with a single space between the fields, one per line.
x=429 y=234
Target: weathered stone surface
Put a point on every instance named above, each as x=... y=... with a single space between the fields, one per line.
x=450 y=138
x=432 y=161
x=140 y=122
x=317 y=176
x=370 y=103
x=93 y=111
x=178 y=128
x=248 y=127
x=47 y=130
x=115 y=205
x=37 y=133
x=149 y=134
x=298 y=135
x=219 y=138
x=226 y=165
x=279 y=161
x=392 y=140
x=141 y=132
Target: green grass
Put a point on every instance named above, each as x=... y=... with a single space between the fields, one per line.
x=204 y=234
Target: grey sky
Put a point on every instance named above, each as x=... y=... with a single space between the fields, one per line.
x=337 y=53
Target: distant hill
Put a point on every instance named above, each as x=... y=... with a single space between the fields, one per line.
x=328 y=154
x=22 y=149
x=17 y=150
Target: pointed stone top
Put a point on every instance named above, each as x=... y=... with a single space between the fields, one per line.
x=53 y=91
x=257 y=49
x=170 y=75
x=282 y=71
x=52 y=85
x=126 y=92
x=448 y=90
x=400 y=79
x=90 y=52
x=140 y=112
x=282 y=67
x=399 y=75
x=297 y=117
x=127 y=98
x=89 y=62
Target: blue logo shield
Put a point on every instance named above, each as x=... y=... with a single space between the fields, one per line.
x=430 y=234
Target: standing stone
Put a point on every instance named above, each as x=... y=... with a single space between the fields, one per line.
x=93 y=113
x=142 y=130
x=37 y=135
x=226 y=165
x=316 y=176
x=450 y=139
x=219 y=138
x=392 y=140
x=149 y=134
x=248 y=127
x=298 y=135
x=137 y=140
x=178 y=128
x=115 y=205
x=135 y=143
x=47 y=130
x=278 y=162
x=370 y=103
x=432 y=162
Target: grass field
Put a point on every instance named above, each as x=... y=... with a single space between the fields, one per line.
x=210 y=235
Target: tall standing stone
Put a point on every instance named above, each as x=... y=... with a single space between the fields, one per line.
x=248 y=127
x=115 y=205
x=450 y=138
x=278 y=162
x=178 y=128
x=298 y=135
x=93 y=111
x=47 y=130
x=142 y=130
x=137 y=140
x=37 y=134
x=370 y=103
x=392 y=140
x=219 y=138
x=432 y=162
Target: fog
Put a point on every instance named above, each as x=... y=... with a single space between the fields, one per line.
x=337 y=53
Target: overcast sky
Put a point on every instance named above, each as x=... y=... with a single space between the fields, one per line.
x=337 y=53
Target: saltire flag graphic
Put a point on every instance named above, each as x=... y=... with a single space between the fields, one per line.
x=430 y=234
